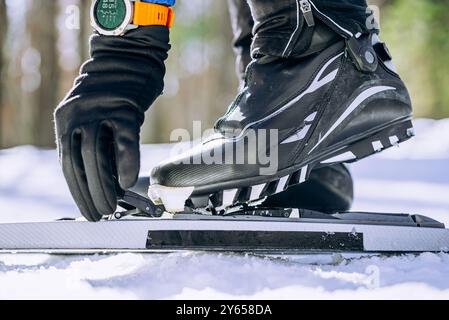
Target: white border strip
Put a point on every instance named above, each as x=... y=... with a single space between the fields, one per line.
x=294 y=32
x=352 y=107
x=336 y=24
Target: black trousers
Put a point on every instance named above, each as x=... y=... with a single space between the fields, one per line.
x=272 y=23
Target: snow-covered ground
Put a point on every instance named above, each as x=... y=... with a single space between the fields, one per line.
x=414 y=178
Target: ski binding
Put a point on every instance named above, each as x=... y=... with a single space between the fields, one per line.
x=145 y=227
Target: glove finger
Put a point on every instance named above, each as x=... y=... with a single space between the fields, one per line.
x=75 y=175
x=127 y=153
x=96 y=152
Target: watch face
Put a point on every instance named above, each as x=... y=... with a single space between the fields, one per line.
x=110 y=14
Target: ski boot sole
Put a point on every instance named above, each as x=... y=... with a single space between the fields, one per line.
x=256 y=189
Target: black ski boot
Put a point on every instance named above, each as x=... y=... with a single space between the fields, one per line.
x=329 y=189
x=325 y=98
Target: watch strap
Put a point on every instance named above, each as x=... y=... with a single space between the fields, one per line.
x=150 y=14
x=169 y=3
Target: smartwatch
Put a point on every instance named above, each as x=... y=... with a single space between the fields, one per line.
x=116 y=17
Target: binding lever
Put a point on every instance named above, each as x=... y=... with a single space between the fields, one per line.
x=137 y=202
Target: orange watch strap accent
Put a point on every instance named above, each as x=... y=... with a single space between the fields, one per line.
x=150 y=14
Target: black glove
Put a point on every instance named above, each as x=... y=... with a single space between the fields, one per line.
x=98 y=123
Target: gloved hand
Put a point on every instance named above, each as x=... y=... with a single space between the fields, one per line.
x=98 y=123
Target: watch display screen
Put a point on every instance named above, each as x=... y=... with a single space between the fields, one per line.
x=110 y=14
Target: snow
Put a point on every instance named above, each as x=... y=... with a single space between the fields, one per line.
x=413 y=178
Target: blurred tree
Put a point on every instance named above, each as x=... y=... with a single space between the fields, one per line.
x=85 y=29
x=201 y=79
x=44 y=39
x=417 y=32
x=438 y=49
x=3 y=30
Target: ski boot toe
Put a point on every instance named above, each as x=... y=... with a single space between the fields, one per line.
x=182 y=188
x=182 y=184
